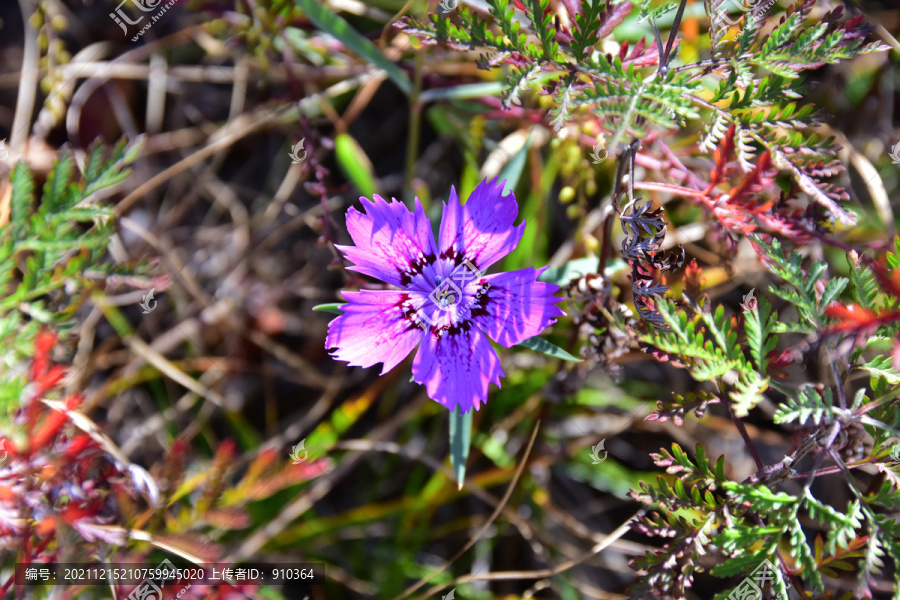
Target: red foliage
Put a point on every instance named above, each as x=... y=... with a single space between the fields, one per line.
x=693 y=279
x=851 y=317
x=744 y=209
x=59 y=480
x=642 y=55
x=778 y=362
x=857 y=320
x=62 y=483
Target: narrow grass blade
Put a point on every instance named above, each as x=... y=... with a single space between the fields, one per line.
x=332 y=308
x=352 y=39
x=541 y=345
x=460 y=440
x=513 y=169
x=463 y=92
x=355 y=164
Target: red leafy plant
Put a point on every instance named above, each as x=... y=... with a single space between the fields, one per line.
x=64 y=486
x=57 y=482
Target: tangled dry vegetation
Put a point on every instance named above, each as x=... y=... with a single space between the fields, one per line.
x=166 y=390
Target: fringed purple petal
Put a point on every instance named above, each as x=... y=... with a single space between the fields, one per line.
x=377 y=326
x=482 y=230
x=457 y=368
x=515 y=307
x=444 y=290
x=392 y=243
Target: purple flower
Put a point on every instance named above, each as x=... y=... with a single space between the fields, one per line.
x=445 y=304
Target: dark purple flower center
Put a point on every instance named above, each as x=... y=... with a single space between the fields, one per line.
x=456 y=292
x=416 y=267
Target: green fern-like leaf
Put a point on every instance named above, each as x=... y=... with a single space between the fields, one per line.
x=538 y=12
x=882 y=366
x=22 y=200
x=48 y=245
x=893 y=258
x=842 y=526
x=807 y=405
x=803 y=554
x=649 y=12
x=709 y=352
x=803 y=296
x=863 y=287
x=760 y=326
x=586 y=26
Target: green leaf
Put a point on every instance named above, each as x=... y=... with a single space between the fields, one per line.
x=541 y=345
x=460 y=441
x=647 y=11
x=46 y=248
x=57 y=182
x=739 y=564
x=352 y=39
x=334 y=307
x=748 y=392
x=841 y=527
x=579 y=268
x=539 y=14
x=565 y=273
x=801 y=551
x=893 y=258
x=808 y=404
x=760 y=497
x=804 y=296
x=103 y=173
x=759 y=324
x=882 y=366
x=355 y=164
x=512 y=171
x=463 y=92
x=864 y=288
x=586 y=26
x=22 y=199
